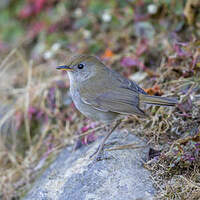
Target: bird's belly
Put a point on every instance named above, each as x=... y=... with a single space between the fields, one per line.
x=91 y=112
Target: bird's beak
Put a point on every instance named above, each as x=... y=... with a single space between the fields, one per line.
x=64 y=67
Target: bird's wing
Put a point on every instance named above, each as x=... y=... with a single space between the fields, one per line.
x=121 y=100
x=126 y=83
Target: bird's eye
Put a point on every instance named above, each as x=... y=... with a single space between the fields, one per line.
x=81 y=65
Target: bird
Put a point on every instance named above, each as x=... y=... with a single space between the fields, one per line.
x=102 y=94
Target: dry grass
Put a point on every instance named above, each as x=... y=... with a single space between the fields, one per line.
x=34 y=126
x=37 y=124
x=175 y=134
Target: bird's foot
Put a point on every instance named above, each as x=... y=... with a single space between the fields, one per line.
x=101 y=146
x=96 y=155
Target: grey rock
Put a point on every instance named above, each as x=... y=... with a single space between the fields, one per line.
x=118 y=176
x=4 y=4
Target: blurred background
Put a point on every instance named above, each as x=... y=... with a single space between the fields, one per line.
x=153 y=42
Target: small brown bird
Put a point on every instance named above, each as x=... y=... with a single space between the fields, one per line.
x=104 y=95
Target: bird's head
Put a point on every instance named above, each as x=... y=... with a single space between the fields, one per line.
x=82 y=67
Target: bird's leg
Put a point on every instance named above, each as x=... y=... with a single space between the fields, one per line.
x=100 y=148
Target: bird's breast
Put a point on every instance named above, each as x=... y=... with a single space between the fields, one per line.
x=89 y=111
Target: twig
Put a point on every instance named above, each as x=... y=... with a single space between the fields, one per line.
x=190 y=183
x=7 y=58
x=27 y=100
x=126 y=146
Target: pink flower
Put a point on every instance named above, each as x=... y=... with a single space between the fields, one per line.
x=88 y=138
x=31 y=111
x=35 y=29
x=27 y=11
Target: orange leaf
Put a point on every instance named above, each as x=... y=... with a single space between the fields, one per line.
x=108 y=53
x=155 y=90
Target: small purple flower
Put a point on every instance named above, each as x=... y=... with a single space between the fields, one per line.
x=129 y=62
x=180 y=52
x=197 y=145
x=191 y=159
x=39 y=115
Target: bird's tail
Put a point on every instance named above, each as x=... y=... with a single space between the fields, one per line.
x=156 y=100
